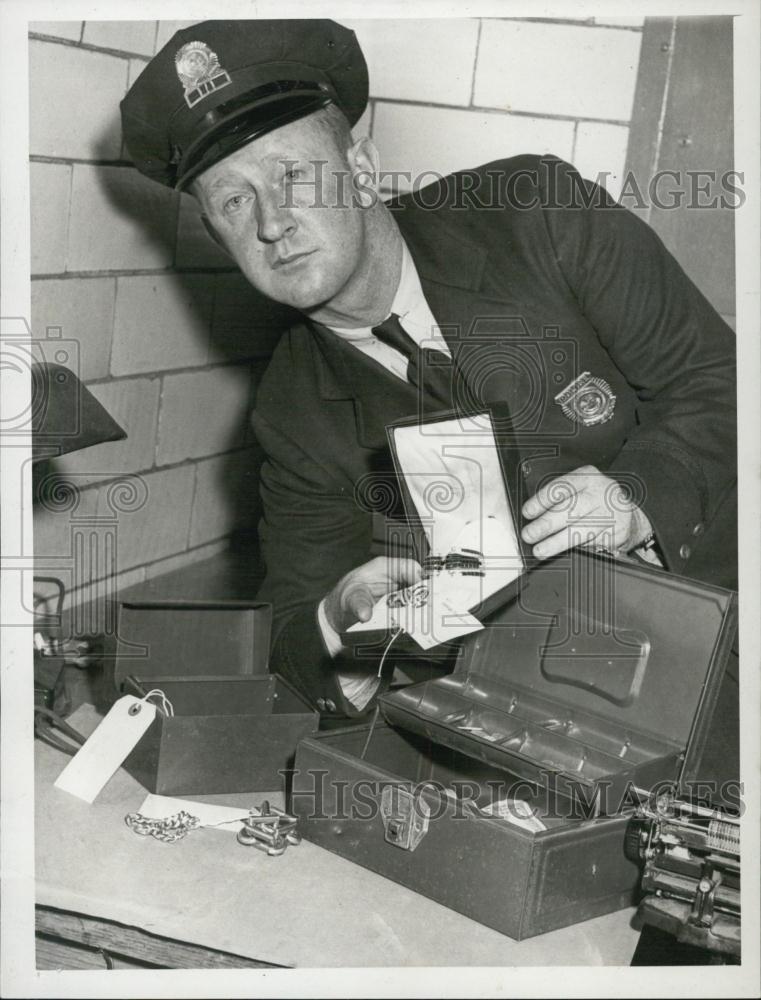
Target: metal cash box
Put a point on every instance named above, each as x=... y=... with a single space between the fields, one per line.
x=235 y=726
x=504 y=789
x=523 y=718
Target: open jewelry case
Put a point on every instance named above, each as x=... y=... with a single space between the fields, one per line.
x=456 y=476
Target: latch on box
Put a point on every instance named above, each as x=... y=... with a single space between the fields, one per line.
x=405 y=817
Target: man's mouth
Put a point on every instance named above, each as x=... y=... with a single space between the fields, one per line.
x=292 y=259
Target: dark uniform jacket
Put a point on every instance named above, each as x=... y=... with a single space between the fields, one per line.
x=531 y=287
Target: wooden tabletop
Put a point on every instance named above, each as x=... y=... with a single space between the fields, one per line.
x=307 y=908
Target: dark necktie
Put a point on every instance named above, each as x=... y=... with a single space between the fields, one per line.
x=428 y=369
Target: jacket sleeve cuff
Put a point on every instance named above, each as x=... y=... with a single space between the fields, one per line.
x=330 y=637
x=301 y=655
x=668 y=496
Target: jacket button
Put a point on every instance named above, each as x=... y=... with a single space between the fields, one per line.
x=526 y=468
x=698 y=529
x=321 y=704
x=330 y=705
x=685 y=551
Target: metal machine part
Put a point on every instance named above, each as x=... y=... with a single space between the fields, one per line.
x=691 y=876
x=270 y=830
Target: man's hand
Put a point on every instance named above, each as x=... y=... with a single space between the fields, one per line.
x=583 y=507
x=354 y=596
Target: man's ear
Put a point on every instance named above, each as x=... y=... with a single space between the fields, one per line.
x=214 y=234
x=364 y=164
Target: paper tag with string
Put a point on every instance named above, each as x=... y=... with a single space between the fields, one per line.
x=107 y=748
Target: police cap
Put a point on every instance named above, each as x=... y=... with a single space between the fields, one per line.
x=217 y=85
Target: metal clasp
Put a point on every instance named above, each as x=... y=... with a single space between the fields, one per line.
x=405 y=817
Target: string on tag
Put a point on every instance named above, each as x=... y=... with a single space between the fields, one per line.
x=164 y=706
x=396 y=633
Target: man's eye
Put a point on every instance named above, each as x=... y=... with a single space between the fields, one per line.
x=293 y=173
x=235 y=202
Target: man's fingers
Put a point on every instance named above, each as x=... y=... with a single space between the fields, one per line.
x=358 y=600
x=385 y=573
x=355 y=596
x=404 y=572
x=570 y=537
x=560 y=492
x=584 y=511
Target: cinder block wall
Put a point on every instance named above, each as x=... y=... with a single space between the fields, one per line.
x=129 y=292
x=153 y=316
x=451 y=94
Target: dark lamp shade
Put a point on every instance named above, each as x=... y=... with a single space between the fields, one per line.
x=66 y=416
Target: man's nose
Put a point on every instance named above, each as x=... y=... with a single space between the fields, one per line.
x=273 y=219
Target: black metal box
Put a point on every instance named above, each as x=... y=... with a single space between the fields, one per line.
x=235 y=726
x=598 y=678
x=503 y=790
x=518 y=882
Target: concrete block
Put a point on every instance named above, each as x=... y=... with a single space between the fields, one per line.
x=59 y=506
x=120 y=220
x=419 y=60
x=245 y=323
x=167 y=29
x=151 y=514
x=226 y=495
x=420 y=140
x=72 y=30
x=203 y=413
x=557 y=69
x=83 y=309
x=64 y=80
x=126 y=36
x=50 y=191
x=161 y=323
x=90 y=612
x=134 y=404
x=601 y=148
x=183 y=559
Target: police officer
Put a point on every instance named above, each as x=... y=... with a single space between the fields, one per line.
x=527 y=287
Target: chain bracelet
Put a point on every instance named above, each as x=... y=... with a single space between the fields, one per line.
x=169 y=829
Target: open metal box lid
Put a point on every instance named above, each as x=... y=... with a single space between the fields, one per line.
x=600 y=674
x=186 y=639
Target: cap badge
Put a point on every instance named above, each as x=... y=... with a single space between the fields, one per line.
x=587 y=400
x=199 y=72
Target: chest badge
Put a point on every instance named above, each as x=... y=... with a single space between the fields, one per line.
x=199 y=72
x=587 y=400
